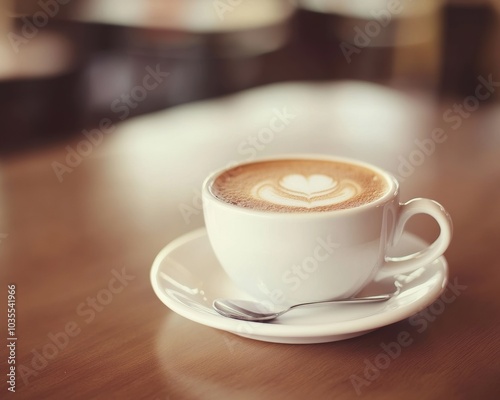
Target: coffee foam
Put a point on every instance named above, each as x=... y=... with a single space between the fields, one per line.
x=299 y=185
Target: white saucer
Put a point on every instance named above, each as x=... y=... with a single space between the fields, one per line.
x=187 y=277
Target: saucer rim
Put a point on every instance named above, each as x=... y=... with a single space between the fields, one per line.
x=276 y=329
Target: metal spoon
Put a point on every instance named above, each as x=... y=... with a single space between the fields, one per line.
x=248 y=310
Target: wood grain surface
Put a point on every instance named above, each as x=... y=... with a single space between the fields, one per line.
x=79 y=253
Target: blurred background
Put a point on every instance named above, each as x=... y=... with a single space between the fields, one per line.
x=65 y=65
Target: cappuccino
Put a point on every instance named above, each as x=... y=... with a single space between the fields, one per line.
x=299 y=185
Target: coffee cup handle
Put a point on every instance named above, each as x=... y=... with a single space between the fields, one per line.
x=406 y=264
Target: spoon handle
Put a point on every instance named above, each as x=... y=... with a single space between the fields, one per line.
x=367 y=299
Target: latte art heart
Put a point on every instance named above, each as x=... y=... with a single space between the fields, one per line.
x=306 y=191
x=299 y=185
x=313 y=185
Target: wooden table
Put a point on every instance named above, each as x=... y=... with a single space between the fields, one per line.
x=79 y=246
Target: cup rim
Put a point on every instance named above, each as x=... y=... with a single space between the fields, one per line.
x=390 y=194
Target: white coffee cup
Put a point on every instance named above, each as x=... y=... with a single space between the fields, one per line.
x=294 y=257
